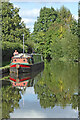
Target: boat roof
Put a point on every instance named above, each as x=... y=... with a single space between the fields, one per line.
x=22 y=55
x=25 y=55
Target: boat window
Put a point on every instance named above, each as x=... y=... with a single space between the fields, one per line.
x=15 y=60
x=24 y=60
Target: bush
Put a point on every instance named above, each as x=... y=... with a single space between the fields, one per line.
x=8 y=49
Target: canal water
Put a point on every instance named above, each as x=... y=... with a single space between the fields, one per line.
x=51 y=93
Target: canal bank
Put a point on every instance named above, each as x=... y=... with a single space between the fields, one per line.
x=4 y=70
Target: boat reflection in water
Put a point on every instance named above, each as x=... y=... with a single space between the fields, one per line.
x=23 y=79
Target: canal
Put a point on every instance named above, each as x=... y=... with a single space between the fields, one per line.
x=51 y=93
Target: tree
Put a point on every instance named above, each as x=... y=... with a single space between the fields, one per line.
x=54 y=30
x=46 y=18
x=12 y=27
x=12 y=30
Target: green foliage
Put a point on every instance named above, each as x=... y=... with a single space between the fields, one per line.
x=55 y=34
x=70 y=46
x=47 y=17
x=79 y=29
x=12 y=27
x=65 y=44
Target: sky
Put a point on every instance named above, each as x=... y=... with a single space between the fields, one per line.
x=29 y=9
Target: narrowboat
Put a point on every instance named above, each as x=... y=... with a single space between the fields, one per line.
x=24 y=76
x=21 y=63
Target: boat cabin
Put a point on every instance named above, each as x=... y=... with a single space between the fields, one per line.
x=21 y=58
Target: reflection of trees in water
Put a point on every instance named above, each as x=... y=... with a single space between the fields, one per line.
x=79 y=88
x=0 y=104
x=10 y=100
x=58 y=85
x=11 y=96
x=79 y=106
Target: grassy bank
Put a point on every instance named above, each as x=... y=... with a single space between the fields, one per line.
x=7 y=66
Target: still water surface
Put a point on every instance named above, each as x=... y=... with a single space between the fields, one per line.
x=52 y=93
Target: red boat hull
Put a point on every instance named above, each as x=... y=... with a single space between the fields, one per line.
x=27 y=66
x=20 y=68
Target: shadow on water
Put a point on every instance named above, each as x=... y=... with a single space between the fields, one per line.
x=57 y=86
